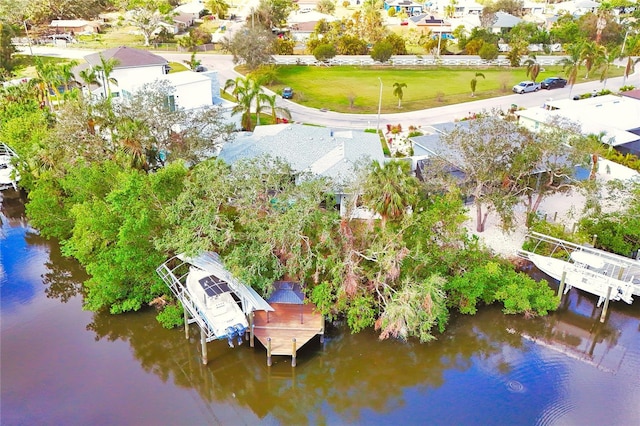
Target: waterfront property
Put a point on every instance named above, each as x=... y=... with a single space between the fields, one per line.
x=225 y=308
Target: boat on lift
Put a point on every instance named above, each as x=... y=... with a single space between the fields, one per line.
x=604 y=274
x=9 y=176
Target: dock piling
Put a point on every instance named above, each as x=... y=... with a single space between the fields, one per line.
x=293 y=352
x=186 y=323
x=561 y=288
x=603 y=316
x=203 y=341
x=268 y=351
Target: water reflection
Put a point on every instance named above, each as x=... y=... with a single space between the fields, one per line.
x=486 y=369
x=15 y=254
x=21 y=245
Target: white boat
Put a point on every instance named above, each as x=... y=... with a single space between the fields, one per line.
x=214 y=301
x=584 y=278
x=8 y=175
x=586 y=268
x=213 y=298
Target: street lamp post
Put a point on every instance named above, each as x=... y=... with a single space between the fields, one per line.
x=379 y=106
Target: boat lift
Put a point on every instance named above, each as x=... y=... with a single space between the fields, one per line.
x=175 y=271
x=607 y=275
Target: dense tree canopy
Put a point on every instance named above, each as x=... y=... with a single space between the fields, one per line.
x=131 y=190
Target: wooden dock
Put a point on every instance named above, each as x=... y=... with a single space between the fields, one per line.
x=286 y=329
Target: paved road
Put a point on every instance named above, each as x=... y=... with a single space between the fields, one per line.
x=224 y=65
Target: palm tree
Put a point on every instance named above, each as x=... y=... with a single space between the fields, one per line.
x=276 y=110
x=46 y=82
x=628 y=70
x=104 y=71
x=474 y=83
x=571 y=64
x=595 y=145
x=89 y=77
x=533 y=67
x=248 y=93
x=66 y=75
x=218 y=8
x=397 y=91
x=591 y=54
x=389 y=190
x=193 y=62
x=129 y=134
x=607 y=62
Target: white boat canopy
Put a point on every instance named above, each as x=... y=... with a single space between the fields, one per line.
x=211 y=263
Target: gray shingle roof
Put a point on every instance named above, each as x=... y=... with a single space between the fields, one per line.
x=127 y=57
x=319 y=150
x=505 y=20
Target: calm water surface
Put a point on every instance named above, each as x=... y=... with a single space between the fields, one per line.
x=62 y=365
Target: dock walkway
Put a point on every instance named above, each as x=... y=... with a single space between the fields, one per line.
x=287 y=328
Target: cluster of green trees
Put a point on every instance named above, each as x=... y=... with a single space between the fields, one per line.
x=123 y=186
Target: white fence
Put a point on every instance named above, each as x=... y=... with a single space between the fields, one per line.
x=405 y=60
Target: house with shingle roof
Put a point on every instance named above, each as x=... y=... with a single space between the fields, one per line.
x=504 y=22
x=316 y=150
x=137 y=67
x=133 y=64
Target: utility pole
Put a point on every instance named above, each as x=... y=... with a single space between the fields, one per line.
x=379 y=106
x=26 y=30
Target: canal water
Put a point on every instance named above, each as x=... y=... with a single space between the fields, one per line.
x=62 y=365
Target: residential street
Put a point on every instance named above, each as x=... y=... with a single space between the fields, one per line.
x=224 y=65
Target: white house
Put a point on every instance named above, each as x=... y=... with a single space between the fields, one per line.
x=461 y=8
x=191 y=9
x=133 y=65
x=617 y=116
x=138 y=67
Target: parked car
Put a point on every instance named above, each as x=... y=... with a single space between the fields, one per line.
x=552 y=83
x=525 y=87
x=200 y=68
x=287 y=93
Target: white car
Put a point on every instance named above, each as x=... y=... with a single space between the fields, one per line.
x=525 y=87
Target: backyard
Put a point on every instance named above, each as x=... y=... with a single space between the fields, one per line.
x=357 y=89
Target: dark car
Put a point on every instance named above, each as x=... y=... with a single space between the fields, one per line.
x=287 y=93
x=553 y=82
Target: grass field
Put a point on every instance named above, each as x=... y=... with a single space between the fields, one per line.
x=334 y=88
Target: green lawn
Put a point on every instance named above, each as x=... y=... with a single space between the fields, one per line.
x=333 y=87
x=26 y=64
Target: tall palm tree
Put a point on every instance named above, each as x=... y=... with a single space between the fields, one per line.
x=571 y=64
x=66 y=75
x=607 y=63
x=46 y=82
x=533 y=67
x=591 y=54
x=474 y=83
x=249 y=94
x=104 y=71
x=398 y=92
